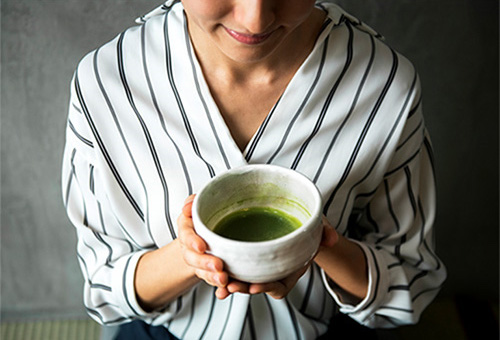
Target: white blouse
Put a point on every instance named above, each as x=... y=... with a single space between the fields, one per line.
x=144 y=133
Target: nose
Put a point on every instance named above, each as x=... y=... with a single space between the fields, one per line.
x=256 y=16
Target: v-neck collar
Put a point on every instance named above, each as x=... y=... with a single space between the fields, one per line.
x=236 y=156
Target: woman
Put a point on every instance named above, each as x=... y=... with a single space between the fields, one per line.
x=204 y=86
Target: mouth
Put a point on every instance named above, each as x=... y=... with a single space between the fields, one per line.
x=248 y=39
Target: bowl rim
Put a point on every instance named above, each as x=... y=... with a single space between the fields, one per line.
x=205 y=232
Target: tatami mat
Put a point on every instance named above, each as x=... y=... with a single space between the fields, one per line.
x=51 y=330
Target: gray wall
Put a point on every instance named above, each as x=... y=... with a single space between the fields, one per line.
x=453 y=43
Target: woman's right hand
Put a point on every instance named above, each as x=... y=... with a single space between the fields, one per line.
x=205 y=266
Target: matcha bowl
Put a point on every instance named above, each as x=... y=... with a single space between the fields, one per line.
x=263 y=221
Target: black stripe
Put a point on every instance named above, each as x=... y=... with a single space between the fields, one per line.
x=325 y=25
x=273 y=318
x=73 y=169
x=85 y=270
x=425 y=291
x=397 y=250
x=210 y=314
x=399 y=167
x=228 y=315
x=91 y=179
x=105 y=304
x=397 y=308
x=328 y=100
x=307 y=295
x=80 y=137
x=411 y=195
x=129 y=237
x=370 y=219
x=410 y=135
x=100 y=286
x=92 y=249
x=351 y=110
x=103 y=226
x=415 y=108
x=293 y=318
x=412 y=281
x=70 y=179
x=304 y=102
x=377 y=281
x=389 y=205
x=364 y=132
x=148 y=137
x=251 y=323
x=193 y=304
x=100 y=317
x=260 y=132
x=160 y=115
x=110 y=254
x=76 y=108
x=438 y=263
x=198 y=89
x=105 y=153
x=170 y=75
x=124 y=286
x=422 y=230
x=324 y=297
x=396 y=264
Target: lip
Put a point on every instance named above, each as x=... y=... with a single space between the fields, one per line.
x=248 y=39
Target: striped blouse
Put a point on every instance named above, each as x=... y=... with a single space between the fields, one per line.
x=144 y=132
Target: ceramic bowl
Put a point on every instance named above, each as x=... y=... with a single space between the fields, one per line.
x=256 y=186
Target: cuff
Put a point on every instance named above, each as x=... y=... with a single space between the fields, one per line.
x=377 y=280
x=123 y=287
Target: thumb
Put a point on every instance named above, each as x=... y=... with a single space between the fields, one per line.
x=330 y=235
x=188 y=205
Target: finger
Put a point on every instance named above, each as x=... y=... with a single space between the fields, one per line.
x=216 y=279
x=202 y=261
x=221 y=293
x=269 y=287
x=330 y=236
x=235 y=286
x=188 y=205
x=188 y=236
x=279 y=289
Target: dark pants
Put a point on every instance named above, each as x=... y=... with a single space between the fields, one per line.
x=139 y=330
x=341 y=327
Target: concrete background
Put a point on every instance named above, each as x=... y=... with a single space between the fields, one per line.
x=453 y=43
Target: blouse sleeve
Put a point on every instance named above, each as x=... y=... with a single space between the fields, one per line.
x=395 y=231
x=107 y=257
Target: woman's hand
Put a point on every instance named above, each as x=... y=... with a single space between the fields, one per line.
x=206 y=267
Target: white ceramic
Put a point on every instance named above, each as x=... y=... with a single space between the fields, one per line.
x=260 y=185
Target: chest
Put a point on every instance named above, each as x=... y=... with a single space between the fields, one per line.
x=244 y=106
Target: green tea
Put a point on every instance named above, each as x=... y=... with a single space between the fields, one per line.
x=256 y=224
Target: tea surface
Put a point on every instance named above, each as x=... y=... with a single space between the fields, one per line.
x=256 y=224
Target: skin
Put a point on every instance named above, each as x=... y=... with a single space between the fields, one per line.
x=249 y=49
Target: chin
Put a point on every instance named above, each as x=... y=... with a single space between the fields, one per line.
x=250 y=54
